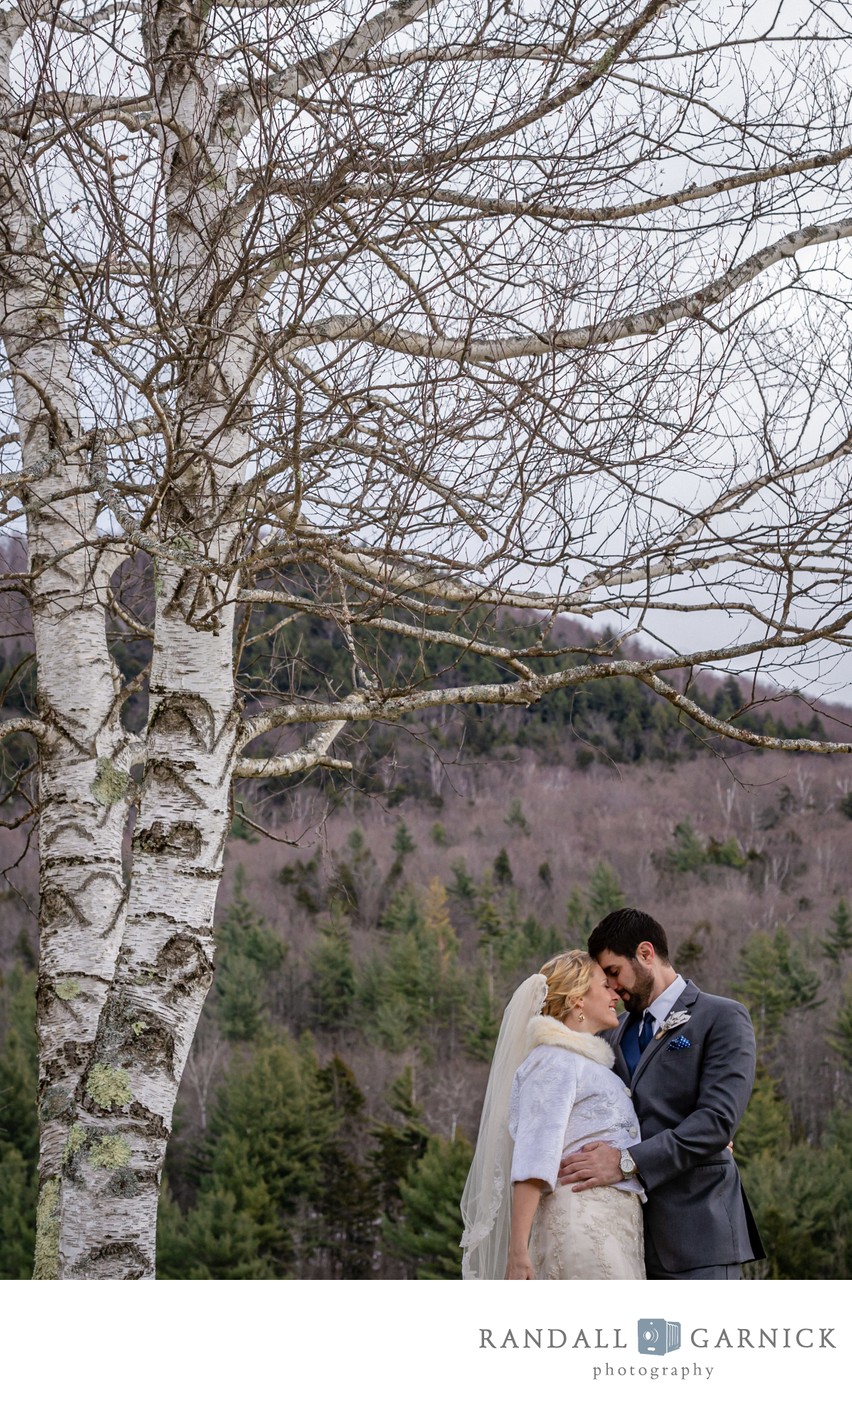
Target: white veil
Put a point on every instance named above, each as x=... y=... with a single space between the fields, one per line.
x=486 y=1203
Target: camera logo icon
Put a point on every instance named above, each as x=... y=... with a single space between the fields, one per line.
x=657 y=1337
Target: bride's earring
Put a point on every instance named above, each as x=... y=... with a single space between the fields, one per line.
x=580 y=1015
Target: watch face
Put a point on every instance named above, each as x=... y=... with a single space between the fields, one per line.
x=627 y=1164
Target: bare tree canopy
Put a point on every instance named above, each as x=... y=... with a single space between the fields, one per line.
x=394 y=316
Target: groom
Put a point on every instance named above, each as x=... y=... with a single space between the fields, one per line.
x=688 y=1059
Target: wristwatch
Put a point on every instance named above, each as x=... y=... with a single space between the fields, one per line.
x=627 y=1164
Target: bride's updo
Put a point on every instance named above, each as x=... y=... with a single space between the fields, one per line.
x=568 y=977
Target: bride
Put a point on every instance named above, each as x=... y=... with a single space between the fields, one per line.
x=551 y=1089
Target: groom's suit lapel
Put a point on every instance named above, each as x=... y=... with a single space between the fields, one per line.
x=685 y=1000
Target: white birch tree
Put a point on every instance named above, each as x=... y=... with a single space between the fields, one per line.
x=391 y=314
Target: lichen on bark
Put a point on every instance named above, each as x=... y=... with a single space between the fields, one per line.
x=47 y=1231
x=67 y=989
x=75 y=1142
x=110 y=1152
x=110 y=784
x=108 y=1087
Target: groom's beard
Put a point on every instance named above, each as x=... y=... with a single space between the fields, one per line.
x=635 y=1001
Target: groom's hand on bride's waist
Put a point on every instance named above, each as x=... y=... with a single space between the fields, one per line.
x=596 y=1164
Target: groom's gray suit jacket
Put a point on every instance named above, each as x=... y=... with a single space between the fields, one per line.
x=690 y=1089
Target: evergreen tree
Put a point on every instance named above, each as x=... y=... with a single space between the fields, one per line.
x=413 y=988
x=840 y=1036
x=503 y=869
x=516 y=818
x=773 y=980
x=540 y=942
x=307 y=882
x=403 y=843
x=604 y=891
x=18 y=1064
x=18 y=1196
x=687 y=853
x=690 y=952
x=249 y=954
x=18 y=1123
x=263 y=1168
x=333 y=983
x=725 y=854
x=347 y=1207
x=214 y=1240
x=462 y=887
x=398 y=1144
x=802 y=1202
x=766 y=1124
x=838 y=941
x=689 y=955
x=426 y=1234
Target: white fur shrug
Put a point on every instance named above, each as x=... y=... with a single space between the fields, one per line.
x=564 y=1095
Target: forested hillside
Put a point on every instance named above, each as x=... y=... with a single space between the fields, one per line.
x=372 y=926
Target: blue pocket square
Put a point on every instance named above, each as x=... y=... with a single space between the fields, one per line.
x=680 y=1042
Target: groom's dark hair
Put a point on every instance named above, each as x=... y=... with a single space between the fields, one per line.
x=623 y=932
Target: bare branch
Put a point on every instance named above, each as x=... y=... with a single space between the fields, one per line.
x=344 y=328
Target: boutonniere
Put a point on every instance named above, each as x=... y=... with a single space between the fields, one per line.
x=674 y=1021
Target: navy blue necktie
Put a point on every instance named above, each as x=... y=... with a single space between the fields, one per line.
x=636 y=1040
x=647 y=1031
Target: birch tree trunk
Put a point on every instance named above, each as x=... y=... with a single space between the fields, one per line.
x=165 y=965
x=83 y=784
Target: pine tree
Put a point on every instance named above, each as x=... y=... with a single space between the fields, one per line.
x=462 y=887
x=347 y=1208
x=482 y=1016
x=333 y=982
x=18 y=1064
x=773 y=980
x=18 y=1124
x=838 y=941
x=840 y=1036
x=214 y=1240
x=802 y=1202
x=262 y=1167
x=604 y=890
x=403 y=843
x=427 y=1232
x=413 y=988
x=18 y=1196
x=249 y=954
x=687 y=853
x=516 y=818
x=766 y=1124
x=503 y=869
x=399 y=1143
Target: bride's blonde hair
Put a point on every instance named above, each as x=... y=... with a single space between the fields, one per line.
x=568 y=977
